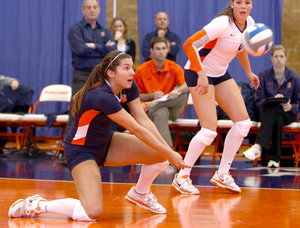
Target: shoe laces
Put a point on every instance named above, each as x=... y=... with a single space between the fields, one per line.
x=31 y=210
x=151 y=201
x=228 y=178
x=186 y=180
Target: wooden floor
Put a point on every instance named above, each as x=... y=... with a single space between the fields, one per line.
x=212 y=208
x=269 y=198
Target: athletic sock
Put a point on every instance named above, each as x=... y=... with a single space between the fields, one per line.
x=232 y=144
x=62 y=206
x=194 y=151
x=147 y=176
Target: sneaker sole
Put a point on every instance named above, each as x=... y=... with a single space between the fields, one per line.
x=175 y=185
x=221 y=185
x=140 y=204
x=10 y=212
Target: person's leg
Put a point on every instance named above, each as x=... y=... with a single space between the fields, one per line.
x=206 y=111
x=231 y=101
x=88 y=184
x=134 y=151
x=162 y=112
x=176 y=105
x=160 y=119
x=277 y=139
x=268 y=119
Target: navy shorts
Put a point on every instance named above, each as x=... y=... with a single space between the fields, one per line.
x=191 y=78
x=76 y=154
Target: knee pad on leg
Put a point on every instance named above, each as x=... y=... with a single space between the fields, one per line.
x=242 y=127
x=206 y=136
x=79 y=214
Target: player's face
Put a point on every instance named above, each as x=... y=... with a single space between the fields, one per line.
x=119 y=26
x=241 y=8
x=91 y=10
x=279 y=58
x=159 y=51
x=124 y=73
x=162 y=21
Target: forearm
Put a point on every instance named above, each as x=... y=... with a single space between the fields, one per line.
x=152 y=138
x=146 y=96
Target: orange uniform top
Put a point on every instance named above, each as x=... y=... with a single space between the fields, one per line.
x=149 y=79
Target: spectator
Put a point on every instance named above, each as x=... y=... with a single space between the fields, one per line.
x=8 y=81
x=119 y=29
x=89 y=42
x=159 y=77
x=276 y=81
x=14 y=84
x=162 y=22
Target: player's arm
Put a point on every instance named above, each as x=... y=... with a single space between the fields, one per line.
x=190 y=47
x=123 y=118
x=141 y=117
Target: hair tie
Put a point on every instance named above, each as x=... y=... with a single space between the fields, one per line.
x=113 y=61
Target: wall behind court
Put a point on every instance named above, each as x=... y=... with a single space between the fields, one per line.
x=291 y=32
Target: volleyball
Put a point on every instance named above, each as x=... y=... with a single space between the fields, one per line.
x=257 y=39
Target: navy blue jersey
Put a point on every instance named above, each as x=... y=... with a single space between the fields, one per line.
x=91 y=127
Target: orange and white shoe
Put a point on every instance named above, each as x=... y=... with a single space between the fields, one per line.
x=225 y=181
x=28 y=207
x=184 y=185
x=146 y=201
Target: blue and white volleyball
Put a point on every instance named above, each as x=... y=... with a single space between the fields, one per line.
x=257 y=39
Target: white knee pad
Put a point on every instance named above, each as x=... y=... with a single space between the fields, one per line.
x=242 y=127
x=206 y=136
x=79 y=214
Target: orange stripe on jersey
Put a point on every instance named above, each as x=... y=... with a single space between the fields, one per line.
x=207 y=48
x=192 y=52
x=83 y=126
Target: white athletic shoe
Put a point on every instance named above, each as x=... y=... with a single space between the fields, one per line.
x=147 y=201
x=225 y=181
x=273 y=164
x=184 y=185
x=28 y=207
x=253 y=152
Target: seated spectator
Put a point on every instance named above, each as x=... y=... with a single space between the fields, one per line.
x=162 y=22
x=159 y=77
x=276 y=81
x=14 y=84
x=119 y=29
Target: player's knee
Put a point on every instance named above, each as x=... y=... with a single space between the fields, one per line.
x=91 y=213
x=162 y=165
x=242 y=127
x=206 y=136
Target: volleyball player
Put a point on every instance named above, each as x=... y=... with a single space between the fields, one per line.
x=209 y=52
x=91 y=143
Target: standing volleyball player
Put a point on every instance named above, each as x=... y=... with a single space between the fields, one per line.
x=209 y=81
x=91 y=143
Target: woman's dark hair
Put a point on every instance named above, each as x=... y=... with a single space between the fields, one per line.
x=112 y=24
x=98 y=76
